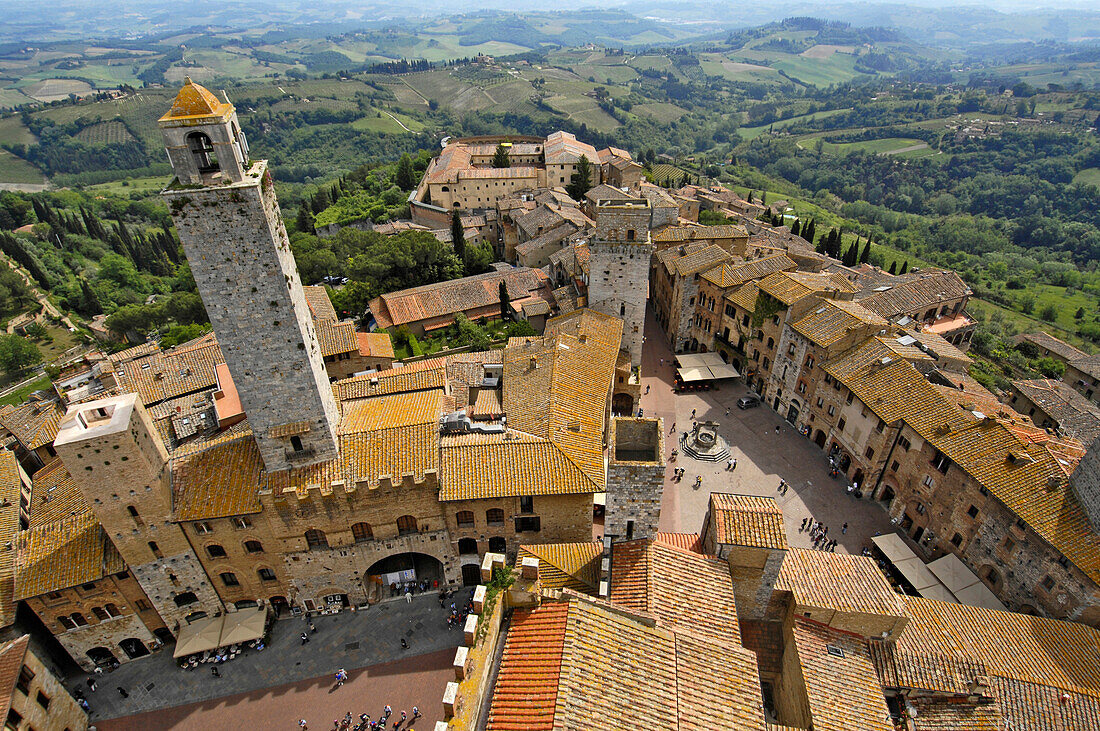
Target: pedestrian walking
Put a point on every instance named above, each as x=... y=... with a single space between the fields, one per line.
x=734 y=467
x=729 y=465
x=312 y=628
x=693 y=413
x=404 y=644
x=122 y=692
x=403 y=717
x=647 y=389
x=215 y=672
x=408 y=597
x=91 y=684
x=302 y=723
x=777 y=428
x=844 y=529
x=802 y=528
x=416 y=713
x=305 y=638
x=673 y=429
x=727 y=411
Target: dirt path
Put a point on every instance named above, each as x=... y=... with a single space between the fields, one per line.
x=396 y=120
x=910 y=148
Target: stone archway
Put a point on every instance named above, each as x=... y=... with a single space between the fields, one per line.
x=622 y=404
x=102 y=657
x=410 y=566
x=819 y=438
x=133 y=647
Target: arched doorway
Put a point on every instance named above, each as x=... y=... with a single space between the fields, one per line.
x=164 y=635
x=279 y=604
x=471 y=574
x=497 y=544
x=792 y=413
x=858 y=477
x=845 y=461
x=133 y=647
x=410 y=566
x=467 y=545
x=622 y=404
x=102 y=657
x=887 y=496
x=819 y=438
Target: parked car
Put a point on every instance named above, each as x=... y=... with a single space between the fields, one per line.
x=748 y=402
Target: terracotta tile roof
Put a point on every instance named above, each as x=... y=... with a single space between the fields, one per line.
x=336 y=337
x=10 y=495
x=746 y=520
x=54 y=495
x=837 y=581
x=487 y=405
x=478 y=466
x=170 y=373
x=556 y=398
x=1048 y=342
x=320 y=306
x=843 y=691
x=649 y=577
x=218 y=482
x=376 y=344
x=567 y=565
x=194 y=104
x=671 y=255
x=33 y=423
x=1089 y=365
x=615 y=670
x=454 y=296
x=419 y=376
x=834 y=319
x=13 y=654
x=911 y=293
x=684 y=541
x=392 y=412
x=1016 y=647
x=564 y=148
x=66 y=553
x=526 y=689
x=137 y=351
x=1022 y=703
x=734 y=275
x=605 y=191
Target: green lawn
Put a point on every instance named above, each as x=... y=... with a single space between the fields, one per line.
x=19 y=395
x=124 y=188
x=59 y=341
x=387 y=124
x=17 y=170
x=1088 y=176
x=749 y=133
x=882 y=146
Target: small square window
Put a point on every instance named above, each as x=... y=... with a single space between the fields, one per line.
x=1008 y=543
x=1063 y=562
x=894 y=466
x=870 y=453
x=1047 y=583
x=956 y=540
x=840 y=424
x=43 y=700
x=972 y=511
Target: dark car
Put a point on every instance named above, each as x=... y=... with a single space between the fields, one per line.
x=748 y=402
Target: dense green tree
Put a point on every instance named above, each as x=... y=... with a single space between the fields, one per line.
x=500 y=157
x=18 y=354
x=505 y=302
x=405 y=176
x=581 y=180
x=458 y=236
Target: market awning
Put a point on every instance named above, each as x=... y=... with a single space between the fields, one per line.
x=964 y=583
x=909 y=565
x=243 y=625
x=704 y=367
x=199 y=636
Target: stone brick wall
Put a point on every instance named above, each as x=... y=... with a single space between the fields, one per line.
x=635 y=478
x=107 y=634
x=618 y=285
x=240 y=255
x=165 y=579
x=1086 y=483
x=63 y=712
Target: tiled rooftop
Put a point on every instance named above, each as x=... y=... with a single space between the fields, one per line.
x=833 y=319
x=566 y=565
x=320 y=306
x=10 y=492
x=734 y=275
x=167 y=374
x=454 y=295
x=66 y=553
x=33 y=423
x=746 y=520
x=54 y=495
x=837 y=581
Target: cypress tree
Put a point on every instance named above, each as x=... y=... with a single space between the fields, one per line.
x=458 y=238
x=893 y=267
x=865 y=256
x=505 y=302
x=795 y=227
x=904 y=267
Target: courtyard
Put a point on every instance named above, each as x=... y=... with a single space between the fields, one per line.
x=289 y=680
x=764 y=458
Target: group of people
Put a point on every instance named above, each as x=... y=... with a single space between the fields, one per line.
x=408 y=588
x=347 y=723
x=457 y=616
x=820 y=534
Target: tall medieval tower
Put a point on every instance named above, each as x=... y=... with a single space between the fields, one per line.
x=224 y=208
x=618 y=266
x=118 y=461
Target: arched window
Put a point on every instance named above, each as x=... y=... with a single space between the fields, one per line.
x=362 y=532
x=494 y=516
x=316 y=539
x=230 y=579
x=406 y=524
x=265 y=574
x=497 y=544
x=66 y=622
x=112 y=610
x=202 y=151
x=467 y=545
x=215 y=551
x=100 y=613
x=78 y=619
x=253 y=547
x=132 y=511
x=464 y=517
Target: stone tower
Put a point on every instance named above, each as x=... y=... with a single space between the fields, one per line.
x=224 y=208
x=1085 y=482
x=635 y=482
x=118 y=461
x=618 y=267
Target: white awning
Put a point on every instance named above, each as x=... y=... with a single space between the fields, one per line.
x=893 y=547
x=199 y=636
x=964 y=583
x=243 y=625
x=704 y=367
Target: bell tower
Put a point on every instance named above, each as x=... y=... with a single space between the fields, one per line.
x=224 y=207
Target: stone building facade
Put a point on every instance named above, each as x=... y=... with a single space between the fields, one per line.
x=33 y=697
x=620 y=251
x=635 y=478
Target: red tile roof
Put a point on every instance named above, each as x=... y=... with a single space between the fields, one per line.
x=526 y=689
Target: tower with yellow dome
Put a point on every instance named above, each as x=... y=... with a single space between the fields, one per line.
x=224 y=207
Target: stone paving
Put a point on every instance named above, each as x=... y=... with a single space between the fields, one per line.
x=350 y=640
x=763 y=459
